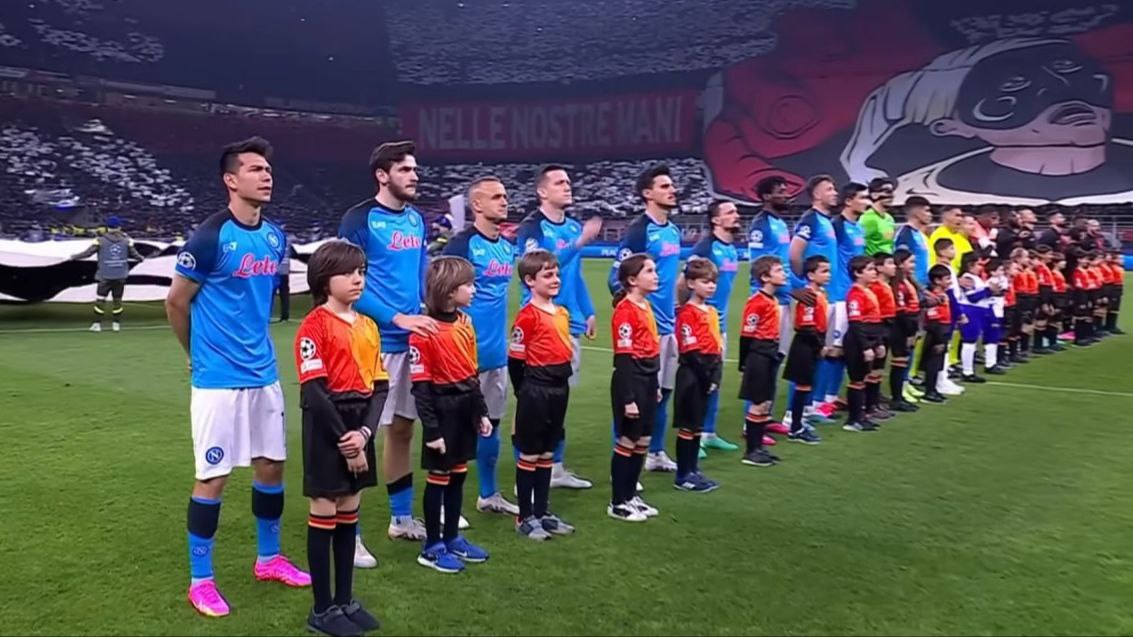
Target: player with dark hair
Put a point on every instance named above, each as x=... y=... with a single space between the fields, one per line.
x=719 y=248
x=491 y=255
x=446 y=390
x=701 y=345
x=551 y=228
x=760 y=357
x=634 y=387
x=652 y=233
x=343 y=390
x=850 y=239
x=814 y=235
x=228 y=269
x=392 y=233
x=539 y=362
x=807 y=348
x=878 y=225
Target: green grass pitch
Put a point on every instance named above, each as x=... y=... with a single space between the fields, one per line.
x=1009 y=511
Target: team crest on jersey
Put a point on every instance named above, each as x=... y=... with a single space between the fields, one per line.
x=187 y=261
x=413 y=220
x=273 y=240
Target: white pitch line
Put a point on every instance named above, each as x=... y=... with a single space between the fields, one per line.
x=1067 y=390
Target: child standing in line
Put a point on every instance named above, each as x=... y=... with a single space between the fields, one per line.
x=635 y=389
x=343 y=389
x=938 y=330
x=701 y=347
x=759 y=357
x=1116 y=288
x=808 y=347
x=863 y=344
x=906 y=325
x=446 y=386
x=882 y=288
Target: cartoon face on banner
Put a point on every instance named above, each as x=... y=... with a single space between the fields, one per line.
x=959 y=116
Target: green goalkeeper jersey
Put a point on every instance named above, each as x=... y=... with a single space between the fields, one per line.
x=880 y=229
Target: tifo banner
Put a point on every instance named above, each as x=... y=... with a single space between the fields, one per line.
x=963 y=102
x=618 y=125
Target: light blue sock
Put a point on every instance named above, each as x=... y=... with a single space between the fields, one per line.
x=560 y=451
x=487 y=455
x=267 y=506
x=821 y=373
x=400 y=494
x=837 y=377
x=660 y=423
x=204 y=514
x=710 y=417
x=790 y=395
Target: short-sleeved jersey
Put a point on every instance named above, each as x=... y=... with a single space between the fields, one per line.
x=1117 y=274
x=1045 y=278
x=880 y=229
x=886 y=300
x=1058 y=280
x=698 y=330
x=394 y=242
x=635 y=330
x=541 y=339
x=537 y=232
x=941 y=313
x=1026 y=282
x=813 y=317
x=769 y=236
x=493 y=260
x=447 y=357
x=727 y=261
x=760 y=319
x=906 y=299
x=662 y=242
x=862 y=305
x=851 y=243
x=916 y=242
x=963 y=246
x=817 y=230
x=237 y=267
x=347 y=355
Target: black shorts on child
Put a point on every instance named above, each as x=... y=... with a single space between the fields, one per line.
x=758 y=384
x=645 y=388
x=540 y=416
x=324 y=467
x=460 y=427
x=803 y=356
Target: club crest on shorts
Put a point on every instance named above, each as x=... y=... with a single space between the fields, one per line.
x=214 y=455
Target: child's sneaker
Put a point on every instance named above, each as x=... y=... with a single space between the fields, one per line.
x=555 y=525
x=280 y=569
x=360 y=617
x=714 y=484
x=692 y=483
x=207 y=600
x=758 y=458
x=466 y=551
x=806 y=437
x=643 y=508
x=902 y=406
x=439 y=559
x=625 y=512
x=332 y=622
x=531 y=529
x=934 y=398
x=858 y=427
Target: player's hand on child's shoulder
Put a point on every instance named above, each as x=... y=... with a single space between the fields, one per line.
x=806 y=296
x=417 y=324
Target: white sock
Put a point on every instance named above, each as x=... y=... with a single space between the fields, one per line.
x=968 y=356
x=991 y=354
x=941 y=379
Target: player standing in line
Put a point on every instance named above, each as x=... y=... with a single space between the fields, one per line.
x=769 y=236
x=343 y=390
x=759 y=358
x=878 y=225
x=550 y=228
x=701 y=345
x=539 y=363
x=851 y=243
x=446 y=390
x=228 y=269
x=1045 y=309
x=913 y=236
x=719 y=248
x=1116 y=290
x=392 y=234
x=114 y=250
x=634 y=386
x=491 y=256
x=814 y=236
x=652 y=233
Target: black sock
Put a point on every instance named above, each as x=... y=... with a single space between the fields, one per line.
x=1013 y=347
x=637 y=463
x=525 y=487
x=694 y=453
x=798 y=406
x=855 y=398
x=320 y=533
x=542 y=487
x=872 y=395
x=621 y=463
x=1111 y=320
x=454 y=500
x=435 y=486
x=1039 y=334
x=754 y=428
x=1025 y=343
x=685 y=444
x=1051 y=336
x=897 y=382
x=346 y=527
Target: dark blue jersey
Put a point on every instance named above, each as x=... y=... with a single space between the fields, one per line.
x=662 y=242
x=724 y=255
x=539 y=232
x=237 y=267
x=492 y=260
x=394 y=242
